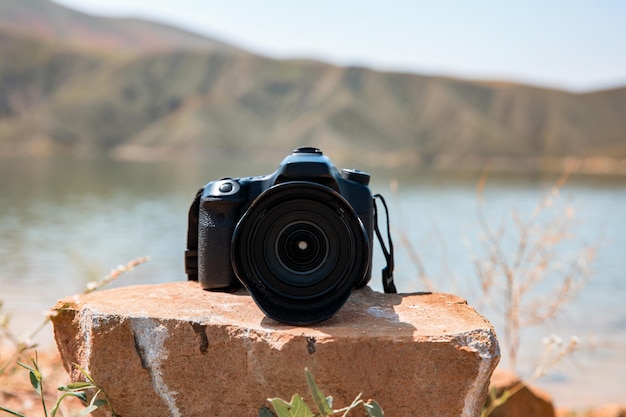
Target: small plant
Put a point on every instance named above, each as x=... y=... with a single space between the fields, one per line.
x=554 y=352
x=298 y=408
x=529 y=266
x=78 y=390
x=528 y=275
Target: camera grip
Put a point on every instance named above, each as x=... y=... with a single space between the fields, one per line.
x=215 y=230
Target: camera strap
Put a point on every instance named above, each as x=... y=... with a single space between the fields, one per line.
x=191 y=254
x=388 y=284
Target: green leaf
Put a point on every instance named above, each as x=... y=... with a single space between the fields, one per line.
x=13 y=413
x=85 y=373
x=100 y=403
x=280 y=406
x=35 y=375
x=81 y=396
x=265 y=412
x=77 y=386
x=30 y=368
x=323 y=403
x=296 y=408
x=373 y=409
x=35 y=381
x=299 y=407
x=88 y=410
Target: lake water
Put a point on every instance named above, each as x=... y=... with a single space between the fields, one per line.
x=64 y=223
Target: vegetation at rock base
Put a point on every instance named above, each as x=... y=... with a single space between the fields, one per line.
x=79 y=390
x=87 y=391
x=297 y=407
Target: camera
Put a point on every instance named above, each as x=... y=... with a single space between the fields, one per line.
x=299 y=239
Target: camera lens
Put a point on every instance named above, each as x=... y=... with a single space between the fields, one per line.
x=300 y=249
x=298 y=257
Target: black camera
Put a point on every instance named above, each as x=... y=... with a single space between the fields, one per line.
x=299 y=239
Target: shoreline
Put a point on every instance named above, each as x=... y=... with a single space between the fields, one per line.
x=401 y=161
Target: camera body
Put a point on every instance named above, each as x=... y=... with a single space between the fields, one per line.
x=299 y=239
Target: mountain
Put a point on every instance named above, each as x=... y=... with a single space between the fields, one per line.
x=59 y=95
x=47 y=19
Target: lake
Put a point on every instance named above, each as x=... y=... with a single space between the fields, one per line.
x=64 y=223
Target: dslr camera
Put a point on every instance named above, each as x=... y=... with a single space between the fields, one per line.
x=299 y=239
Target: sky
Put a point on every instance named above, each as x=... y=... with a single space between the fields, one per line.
x=573 y=45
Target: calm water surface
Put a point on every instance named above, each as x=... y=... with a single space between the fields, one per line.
x=65 y=223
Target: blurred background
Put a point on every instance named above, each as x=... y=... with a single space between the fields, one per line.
x=467 y=115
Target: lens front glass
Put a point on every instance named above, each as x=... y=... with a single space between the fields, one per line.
x=301 y=256
x=301 y=248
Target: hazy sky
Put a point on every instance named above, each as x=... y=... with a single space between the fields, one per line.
x=571 y=44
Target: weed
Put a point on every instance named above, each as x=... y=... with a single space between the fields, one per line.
x=554 y=352
x=522 y=273
x=80 y=389
x=525 y=275
x=298 y=408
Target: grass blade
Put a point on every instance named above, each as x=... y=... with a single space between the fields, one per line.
x=13 y=413
x=322 y=402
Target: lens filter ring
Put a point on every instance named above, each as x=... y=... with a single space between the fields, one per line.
x=300 y=249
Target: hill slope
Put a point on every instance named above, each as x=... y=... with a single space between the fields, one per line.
x=47 y=19
x=62 y=98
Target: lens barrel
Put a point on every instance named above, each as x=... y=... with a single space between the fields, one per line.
x=300 y=249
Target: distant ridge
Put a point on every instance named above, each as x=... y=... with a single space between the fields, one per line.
x=54 y=21
x=197 y=98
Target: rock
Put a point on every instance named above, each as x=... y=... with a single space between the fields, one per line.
x=529 y=401
x=173 y=349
